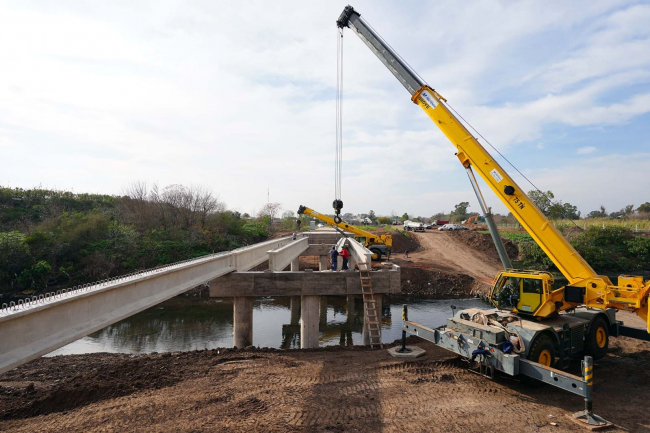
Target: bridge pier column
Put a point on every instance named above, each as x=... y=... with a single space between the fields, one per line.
x=295 y=264
x=378 y=305
x=350 y=302
x=322 y=319
x=295 y=310
x=309 y=309
x=242 y=321
x=322 y=265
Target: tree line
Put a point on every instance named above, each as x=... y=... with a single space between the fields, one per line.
x=51 y=239
x=545 y=201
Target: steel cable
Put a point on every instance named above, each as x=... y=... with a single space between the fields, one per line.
x=501 y=155
x=338 y=163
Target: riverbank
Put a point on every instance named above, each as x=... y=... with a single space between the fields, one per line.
x=331 y=389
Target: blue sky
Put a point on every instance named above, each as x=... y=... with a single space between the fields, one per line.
x=239 y=97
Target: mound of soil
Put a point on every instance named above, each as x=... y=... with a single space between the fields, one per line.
x=483 y=242
x=402 y=241
x=104 y=376
x=418 y=280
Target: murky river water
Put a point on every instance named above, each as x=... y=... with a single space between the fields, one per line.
x=183 y=325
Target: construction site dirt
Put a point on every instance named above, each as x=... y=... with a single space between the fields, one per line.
x=335 y=389
x=328 y=389
x=450 y=264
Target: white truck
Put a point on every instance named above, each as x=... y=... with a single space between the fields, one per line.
x=413 y=226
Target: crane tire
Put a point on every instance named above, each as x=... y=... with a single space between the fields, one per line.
x=375 y=252
x=597 y=339
x=542 y=351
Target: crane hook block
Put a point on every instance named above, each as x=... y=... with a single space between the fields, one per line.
x=337 y=205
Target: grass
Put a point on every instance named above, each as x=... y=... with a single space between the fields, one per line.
x=516 y=237
x=388 y=227
x=641 y=224
x=630 y=223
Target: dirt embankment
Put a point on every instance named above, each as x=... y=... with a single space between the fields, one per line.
x=450 y=264
x=334 y=389
x=482 y=242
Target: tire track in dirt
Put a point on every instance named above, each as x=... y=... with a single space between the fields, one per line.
x=338 y=390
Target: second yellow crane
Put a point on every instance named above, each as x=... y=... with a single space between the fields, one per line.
x=379 y=245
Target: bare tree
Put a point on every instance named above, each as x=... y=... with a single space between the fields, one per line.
x=175 y=206
x=137 y=204
x=207 y=204
x=271 y=210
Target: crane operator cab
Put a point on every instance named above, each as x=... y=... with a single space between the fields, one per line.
x=521 y=291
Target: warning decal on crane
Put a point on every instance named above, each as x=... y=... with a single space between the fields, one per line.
x=495 y=174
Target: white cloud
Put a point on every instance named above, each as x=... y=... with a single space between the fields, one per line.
x=613 y=180
x=239 y=97
x=586 y=150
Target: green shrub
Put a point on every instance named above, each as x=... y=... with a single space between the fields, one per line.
x=613 y=248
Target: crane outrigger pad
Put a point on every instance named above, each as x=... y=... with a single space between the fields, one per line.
x=590 y=421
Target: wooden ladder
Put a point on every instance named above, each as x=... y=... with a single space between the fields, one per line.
x=370 y=306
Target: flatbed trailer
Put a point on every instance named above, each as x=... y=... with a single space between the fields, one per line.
x=485 y=346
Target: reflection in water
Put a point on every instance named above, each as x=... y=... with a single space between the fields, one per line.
x=180 y=325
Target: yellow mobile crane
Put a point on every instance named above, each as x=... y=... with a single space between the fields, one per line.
x=378 y=244
x=552 y=325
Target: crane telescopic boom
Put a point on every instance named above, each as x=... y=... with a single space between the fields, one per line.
x=527 y=292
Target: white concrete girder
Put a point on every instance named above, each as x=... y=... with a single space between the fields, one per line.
x=247 y=258
x=28 y=332
x=280 y=258
x=358 y=253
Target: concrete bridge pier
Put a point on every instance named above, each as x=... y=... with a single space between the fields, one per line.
x=350 y=308
x=309 y=315
x=378 y=305
x=322 y=264
x=242 y=321
x=295 y=310
x=322 y=319
x=295 y=264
